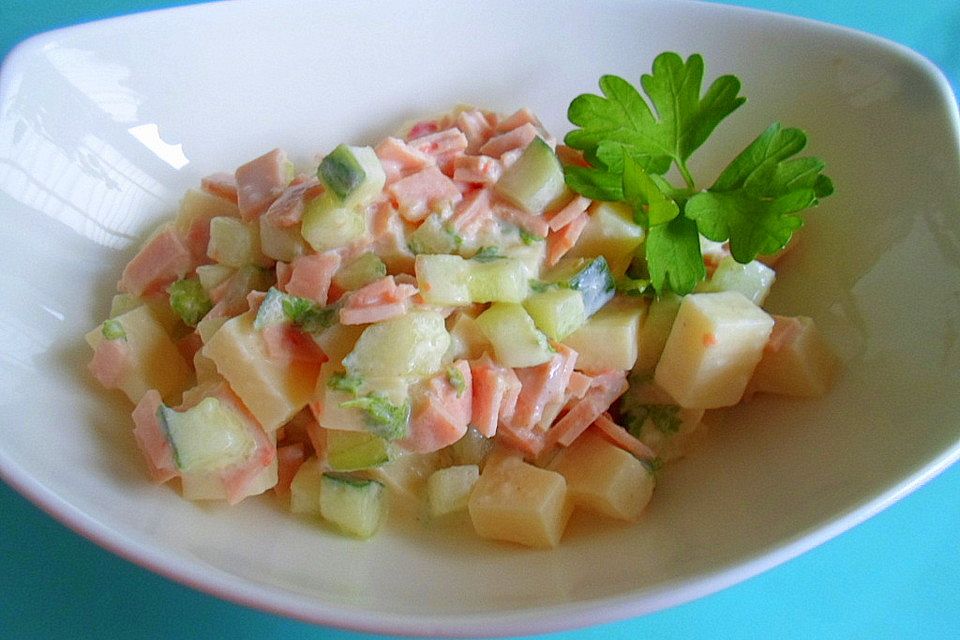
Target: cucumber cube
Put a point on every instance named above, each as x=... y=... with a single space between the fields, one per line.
x=654 y=331
x=753 y=279
x=535 y=181
x=590 y=276
x=557 y=312
x=353 y=175
x=354 y=506
x=443 y=279
x=409 y=345
x=207 y=436
x=234 y=243
x=515 y=338
x=305 y=488
x=360 y=272
x=499 y=280
x=329 y=225
x=433 y=236
x=448 y=489
x=355 y=450
x=281 y=243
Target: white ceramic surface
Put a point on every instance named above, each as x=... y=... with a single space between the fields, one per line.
x=103 y=126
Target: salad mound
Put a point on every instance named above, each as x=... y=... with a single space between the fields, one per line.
x=470 y=318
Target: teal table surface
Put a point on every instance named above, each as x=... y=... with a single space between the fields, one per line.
x=895 y=576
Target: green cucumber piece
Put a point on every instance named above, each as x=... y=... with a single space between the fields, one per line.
x=355 y=506
x=409 y=345
x=443 y=279
x=305 y=488
x=535 y=181
x=271 y=309
x=327 y=224
x=360 y=272
x=654 y=331
x=498 y=280
x=433 y=236
x=752 y=279
x=352 y=174
x=355 y=450
x=591 y=277
x=206 y=437
x=515 y=338
x=557 y=312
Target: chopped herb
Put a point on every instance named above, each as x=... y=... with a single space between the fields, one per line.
x=652 y=466
x=385 y=419
x=665 y=417
x=113 y=330
x=456 y=380
x=308 y=315
x=539 y=286
x=487 y=254
x=529 y=238
x=189 y=300
x=344 y=382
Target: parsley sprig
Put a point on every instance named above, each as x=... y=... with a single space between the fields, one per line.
x=631 y=141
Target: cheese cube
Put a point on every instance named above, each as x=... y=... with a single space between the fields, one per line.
x=274 y=391
x=518 y=502
x=714 y=345
x=603 y=478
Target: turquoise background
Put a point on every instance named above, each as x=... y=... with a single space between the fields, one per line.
x=895 y=576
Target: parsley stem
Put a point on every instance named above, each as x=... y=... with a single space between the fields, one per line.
x=687 y=177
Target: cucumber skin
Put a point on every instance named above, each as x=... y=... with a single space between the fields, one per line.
x=355 y=506
x=340 y=171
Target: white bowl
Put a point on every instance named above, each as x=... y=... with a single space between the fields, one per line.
x=104 y=126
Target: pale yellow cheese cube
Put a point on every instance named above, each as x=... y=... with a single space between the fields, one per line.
x=603 y=478
x=610 y=232
x=796 y=361
x=518 y=502
x=274 y=391
x=154 y=360
x=714 y=345
x=609 y=339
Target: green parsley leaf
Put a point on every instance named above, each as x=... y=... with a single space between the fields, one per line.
x=754 y=202
x=673 y=256
x=344 y=382
x=631 y=140
x=113 y=330
x=596 y=184
x=189 y=300
x=456 y=380
x=683 y=121
x=385 y=419
x=651 y=206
